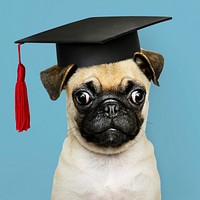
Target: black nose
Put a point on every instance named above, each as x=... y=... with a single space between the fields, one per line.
x=111 y=109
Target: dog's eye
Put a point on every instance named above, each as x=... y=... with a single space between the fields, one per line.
x=137 y=96
x=83 y=98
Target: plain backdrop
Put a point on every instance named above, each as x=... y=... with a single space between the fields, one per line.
x=28 y=159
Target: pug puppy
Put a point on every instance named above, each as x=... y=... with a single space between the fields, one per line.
x=106 y=154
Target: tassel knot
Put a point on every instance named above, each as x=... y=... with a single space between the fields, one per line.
x=20 y=72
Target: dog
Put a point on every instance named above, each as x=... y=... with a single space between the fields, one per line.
x=106 y=154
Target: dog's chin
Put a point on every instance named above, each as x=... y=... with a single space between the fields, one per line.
x=111 y=137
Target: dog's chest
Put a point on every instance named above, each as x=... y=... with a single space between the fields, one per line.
x=112 y=181
x=83 y=175
x=108 y=178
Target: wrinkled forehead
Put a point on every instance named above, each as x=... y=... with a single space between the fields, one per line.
x=109 y=76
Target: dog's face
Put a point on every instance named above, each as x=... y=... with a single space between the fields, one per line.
x=108 y=102
x=107 y=105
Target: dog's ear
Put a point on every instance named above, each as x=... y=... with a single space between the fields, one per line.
x=150 y=63
x=55 y=78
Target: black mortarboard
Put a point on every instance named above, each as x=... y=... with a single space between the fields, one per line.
x=95 y=40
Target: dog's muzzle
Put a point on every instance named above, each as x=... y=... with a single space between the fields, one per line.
x=111 y=124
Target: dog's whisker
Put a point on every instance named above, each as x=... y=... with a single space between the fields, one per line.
x=149 y=122
x=71 y=129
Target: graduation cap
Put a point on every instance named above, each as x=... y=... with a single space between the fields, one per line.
x=92 y=41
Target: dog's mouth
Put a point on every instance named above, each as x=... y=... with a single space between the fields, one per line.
x=110 y=137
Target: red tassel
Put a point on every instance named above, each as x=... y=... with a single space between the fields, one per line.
x=22 y=114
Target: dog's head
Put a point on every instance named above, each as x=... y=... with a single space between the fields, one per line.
x=107 y=104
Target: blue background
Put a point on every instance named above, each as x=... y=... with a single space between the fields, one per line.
x=28 y=160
